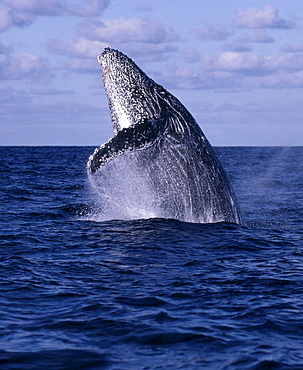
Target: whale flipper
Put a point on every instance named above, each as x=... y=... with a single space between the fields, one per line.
x=142 y=135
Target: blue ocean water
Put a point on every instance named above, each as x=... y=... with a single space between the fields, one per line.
x=78 y=292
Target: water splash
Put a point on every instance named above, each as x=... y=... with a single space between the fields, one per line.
x=121 y=190
x=142 y=185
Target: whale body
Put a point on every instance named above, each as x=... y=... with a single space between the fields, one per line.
x=155 y=131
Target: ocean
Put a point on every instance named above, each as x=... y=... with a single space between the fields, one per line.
x=79 y=291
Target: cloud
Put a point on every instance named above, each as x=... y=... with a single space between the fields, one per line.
x=9 y=18
x=80 y=65
x=36 y=7
x=93 y=8
x=190 y=79
x=142 y=39
x=257 y=35
x=200 y=78
x=237 y=71
x=6 y=19
x=191 y=55
x=268 y=17
x=126 y=30
x=9 y=96
x=22 y=13
x=259 y=64
x=23 y=66
x=82 y=53
x=243 y=43
x=279 y=81
x=289 y=62
x=77 y=48
x=149 y=52
x=209 y=32
x=242 y=63
x=51 y=91
x=298 y=48
x=144 y=7
x=238 y=46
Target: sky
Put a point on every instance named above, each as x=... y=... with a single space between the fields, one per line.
x=236 y=65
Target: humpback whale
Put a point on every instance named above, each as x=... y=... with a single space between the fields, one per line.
x=160 y=138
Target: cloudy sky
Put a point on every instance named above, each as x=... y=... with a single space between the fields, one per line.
x=236 y=65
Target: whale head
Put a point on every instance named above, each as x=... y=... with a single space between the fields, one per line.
x=133 y=96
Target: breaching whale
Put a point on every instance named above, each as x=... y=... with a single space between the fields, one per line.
x=153 y=129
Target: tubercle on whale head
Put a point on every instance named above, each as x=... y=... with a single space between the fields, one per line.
x=114 y=53
x=120 y=66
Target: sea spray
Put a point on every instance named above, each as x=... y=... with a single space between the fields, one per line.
x=121 y=191
x=145 y=185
